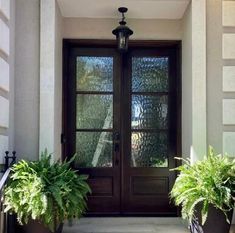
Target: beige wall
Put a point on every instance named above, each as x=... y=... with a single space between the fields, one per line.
x=50 y=78
x=187 y=82
x=194 y=81
x=58 y=82
x=12 y=78
x=214 y=74
x=84 y=28
x=7 y=59
x=27 y=41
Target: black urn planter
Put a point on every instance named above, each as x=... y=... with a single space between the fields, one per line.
x=216 y=221
x=36 y=227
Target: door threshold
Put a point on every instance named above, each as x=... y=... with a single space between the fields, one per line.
x=131 y=220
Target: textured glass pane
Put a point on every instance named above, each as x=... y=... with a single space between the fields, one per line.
x=94 y=111
x=149 y=149
x=149 y=112
x=150 y=74
x=94 y=73
x=94 y=149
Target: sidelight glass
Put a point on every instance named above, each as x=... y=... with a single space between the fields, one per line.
x=149 y=112
x=149 y=149
x=150 y=74
x=94 y=73
x=94 y=149
x=94 y=111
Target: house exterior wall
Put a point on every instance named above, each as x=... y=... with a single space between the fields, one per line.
x=44 y=135
x=214 y=74
x=227 y=71
x=50 y=78
x=228 y=75
x=7 y=45
x=24 y=124
x=58 y=81
x=146 y=29
x=27 y=80
x=220 y=133
x=187 y=82
x=27 y=40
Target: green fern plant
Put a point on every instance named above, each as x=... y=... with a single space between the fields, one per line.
x=210 y=181
x=46 y=191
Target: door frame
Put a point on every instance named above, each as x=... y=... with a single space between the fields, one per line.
x=69 y=44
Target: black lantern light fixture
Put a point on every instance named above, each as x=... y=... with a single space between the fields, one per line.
x=122 y=32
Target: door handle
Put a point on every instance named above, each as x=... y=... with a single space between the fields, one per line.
x=116 y=147
x=116 y=140
x=116 y=136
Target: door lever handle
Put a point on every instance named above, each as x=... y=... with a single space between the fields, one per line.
x=116 y=147
x=116 y=136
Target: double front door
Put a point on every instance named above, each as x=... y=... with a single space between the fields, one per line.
x=121 y=119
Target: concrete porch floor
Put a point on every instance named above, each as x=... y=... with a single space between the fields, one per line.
x=127 y=225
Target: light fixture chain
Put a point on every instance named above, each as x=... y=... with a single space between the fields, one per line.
x=123 y=16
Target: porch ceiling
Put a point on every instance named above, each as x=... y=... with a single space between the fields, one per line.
x=141 y=9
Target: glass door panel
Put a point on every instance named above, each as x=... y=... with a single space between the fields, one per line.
x=94 y=73
x=94 y=111
x=150 y=74
x=149 y=149
x=149 y=115
x=94 y=149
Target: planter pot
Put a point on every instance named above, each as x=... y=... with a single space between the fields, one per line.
x=36 y=227
x=216 y=221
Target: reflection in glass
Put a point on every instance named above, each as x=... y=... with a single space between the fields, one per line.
x=94 y=73
x=94 y=111
x=94 y=149
x=149 y=149
x=149 y=112
x=150 y=74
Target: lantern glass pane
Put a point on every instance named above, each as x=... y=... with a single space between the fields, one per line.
x=122 y=41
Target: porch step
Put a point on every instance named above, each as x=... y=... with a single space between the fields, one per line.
x=127 y=225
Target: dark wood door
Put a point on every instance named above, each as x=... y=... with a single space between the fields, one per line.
x=121 y=117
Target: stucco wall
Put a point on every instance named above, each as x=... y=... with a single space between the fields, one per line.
x=27 y=41
x=147 y=29
x=12 y=78
x=187 y=82
x=58 y=82
x=50 y=78
x=214 y=74
x=7 y=47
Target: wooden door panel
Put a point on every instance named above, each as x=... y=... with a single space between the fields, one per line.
x=132 y=146
x=150 y=135
x=142 y=185
x=101 y=186
x=93 y=89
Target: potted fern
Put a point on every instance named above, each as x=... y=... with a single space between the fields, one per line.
x=43 y=194
x=206 y=191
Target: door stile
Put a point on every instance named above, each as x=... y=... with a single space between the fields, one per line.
x=117 y=136
x=126 y=128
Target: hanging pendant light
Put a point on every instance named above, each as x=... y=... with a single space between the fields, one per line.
x=122 y=32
